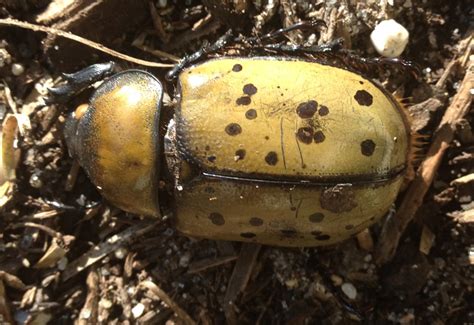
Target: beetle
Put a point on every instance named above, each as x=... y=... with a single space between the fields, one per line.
x=278 y=150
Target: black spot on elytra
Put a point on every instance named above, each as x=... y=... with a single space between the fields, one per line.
x=307 y=109
x=244 y=100
x=290 y=233
x=251 y=114
x=256 y=222
x=323 y=110
x=271 y=158
x=217 y=219
x=211 y=158
x=233 y=129
x=361 y=82
x=267 y=137
x=247 y=235
x=322 y=237
x=207 y=148
x=249 y=89
x=349 y=227
x=367 y=147
x=316 y=217
x=240 y=154
x=363 y=98
x=305 y=134
x=319 y=136
x=237 y=67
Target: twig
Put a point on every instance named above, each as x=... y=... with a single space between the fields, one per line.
x=209 y=263
x=163 y=296
x=5 y=313
x=239 y=279
x=98 y=252
x=90 y=312
x=82 y=40
x=414 y=197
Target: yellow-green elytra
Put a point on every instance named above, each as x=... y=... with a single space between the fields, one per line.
x=278 y=151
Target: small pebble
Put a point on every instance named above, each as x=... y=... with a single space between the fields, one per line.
x=120 y=253
x=184 y=260
x=105 y=303
x=138 y=310
x=35 y=181
x=85 y=313
x=336 y=280
x=291 y=283
x=389 y=38
x=17 y=69
x=349 y=290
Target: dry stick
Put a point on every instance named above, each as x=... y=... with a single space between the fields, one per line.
x=98 y=252
x=5 y=312
x=90 y=311
x=163 y=296
x=79 y=39
x=239 y=278
x=414 y=197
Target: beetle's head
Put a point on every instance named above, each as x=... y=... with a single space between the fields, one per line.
x=116 y=140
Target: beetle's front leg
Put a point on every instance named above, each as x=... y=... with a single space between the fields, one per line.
x=205 y=50
x=332 y=47
x=78 y=81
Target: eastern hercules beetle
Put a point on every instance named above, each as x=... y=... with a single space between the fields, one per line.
x=276 y=149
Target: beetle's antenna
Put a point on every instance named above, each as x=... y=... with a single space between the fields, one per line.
x=82 y=40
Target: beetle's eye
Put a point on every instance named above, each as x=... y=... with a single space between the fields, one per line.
x=116 y=140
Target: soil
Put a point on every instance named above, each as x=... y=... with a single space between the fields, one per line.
x=67 y=256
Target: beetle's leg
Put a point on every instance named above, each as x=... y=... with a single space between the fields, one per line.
x=332 y=47
x=78 y=81
x=205 y=50
x=313 y=24
x=366 y=65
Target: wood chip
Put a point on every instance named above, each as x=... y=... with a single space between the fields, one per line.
x=463 y=180
x=208 y=263
x=239 y=279
x=442 y=138
x=98 y=252
x=427 y=240
x=364 y=238
x=53 y=254
x=5 y=313
x=90 y=311
x=163 y=296
x=9 y=156
x=466 y=216
x=12 y=281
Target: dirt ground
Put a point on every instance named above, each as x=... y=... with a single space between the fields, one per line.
x=67 y=256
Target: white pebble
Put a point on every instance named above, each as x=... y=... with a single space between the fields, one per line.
x=184 y=260
x=120 y=253
x=389 y=38
x=17 y=69
x=349 y=290
x=138 y=310
x=85 y=313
